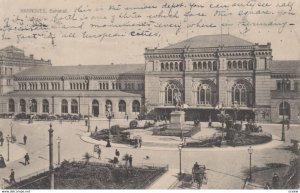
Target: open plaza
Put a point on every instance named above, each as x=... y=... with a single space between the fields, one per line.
x=227 y=167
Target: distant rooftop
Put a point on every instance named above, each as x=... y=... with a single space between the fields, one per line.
x=112 y=69
x=285 y=66
x=210 y=41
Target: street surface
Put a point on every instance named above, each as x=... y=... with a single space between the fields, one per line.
x=226 y=167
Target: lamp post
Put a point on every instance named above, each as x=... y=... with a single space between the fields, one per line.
x=7 y=138
x=235 y=108
x=109 y=115
x=51 y=168
x=220 y=108
x=250 y=151
x=11 y=131
x=89 y=121
x=58 y=150
x=180 y=148
x=284 y=83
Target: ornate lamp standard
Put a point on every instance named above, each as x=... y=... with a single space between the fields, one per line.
x=284 y=83
x=235 y=108
x=220 y=108
x=51 y=168
x=109 y=115
x=89 y=121
x=7 y=138
x=180 y=148
x=11 y=131
x=58 y=150
x=250 y=151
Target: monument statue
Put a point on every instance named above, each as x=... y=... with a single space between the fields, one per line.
x=177 y=98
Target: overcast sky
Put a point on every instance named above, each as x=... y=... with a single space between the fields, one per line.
x=129 y=49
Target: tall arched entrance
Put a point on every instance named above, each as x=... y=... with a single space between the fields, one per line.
x=95 y=108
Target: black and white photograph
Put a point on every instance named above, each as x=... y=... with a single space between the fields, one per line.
x=149 y=95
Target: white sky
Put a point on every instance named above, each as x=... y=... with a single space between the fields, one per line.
x=129 y=50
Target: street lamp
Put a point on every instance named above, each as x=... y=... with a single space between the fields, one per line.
x=220 y=108
x=284 y=83
x=109 y=115
x=7 y=138
x=235 y=108
x=58 y=150
x=250 y=151
x=11 y=131
x=180 y=148
x=51 y=168
x=89 y=121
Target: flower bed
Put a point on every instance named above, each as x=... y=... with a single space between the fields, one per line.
x=77 y=175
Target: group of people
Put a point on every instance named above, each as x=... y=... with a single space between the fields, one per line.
x=138 y=142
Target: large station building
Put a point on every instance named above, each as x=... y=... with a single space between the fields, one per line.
x=207 y=72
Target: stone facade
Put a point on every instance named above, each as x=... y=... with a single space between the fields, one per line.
x=204 y=72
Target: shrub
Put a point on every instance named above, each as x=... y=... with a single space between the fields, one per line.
x=133 y=124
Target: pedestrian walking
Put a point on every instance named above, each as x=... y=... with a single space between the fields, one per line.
x=136 y=142
x=288 y=124
x=117 y=153
x=2 y=162
x=99 y=153
x=86 y=122
x=96 y=129
x=127 y=117
x=140 y=142
x=24 y=139
x=26 y=157
x=130 y=161
x=1 y=141
x=275 y=181
x=12 y=176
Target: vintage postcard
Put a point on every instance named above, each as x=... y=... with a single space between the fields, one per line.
x=155 y=95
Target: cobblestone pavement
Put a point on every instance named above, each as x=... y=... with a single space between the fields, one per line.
x=227 y=166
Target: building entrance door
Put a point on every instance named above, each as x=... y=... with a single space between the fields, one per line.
x=95 y=108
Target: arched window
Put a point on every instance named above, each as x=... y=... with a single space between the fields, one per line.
x=199 y=65
x=64 y=106
x=176 y=66
x=136 y=107
x=74 y=106
x=162 y=66
x=209 y=66
x=250 y=65
x=172 y=90
x=45 y=106
x=167 y=66
x=245 y=65
x=215 y=66
x=284 y=109
x=241 y=94
x=204 y=94
x=11 y=105
x=234 y=65
x=181 y=66
x=171 y=66
x=33 y=107
x=122 y=106
x=240 y=65
x=204 y=65
x=195 y=66
x=95 y=108
x=108 y=102
x=22 y=105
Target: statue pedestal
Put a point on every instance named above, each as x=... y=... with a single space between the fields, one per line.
x=177 y=119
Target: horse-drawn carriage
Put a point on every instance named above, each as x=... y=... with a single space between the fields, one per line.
x=199 y=175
